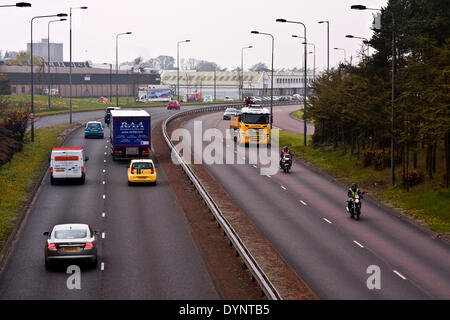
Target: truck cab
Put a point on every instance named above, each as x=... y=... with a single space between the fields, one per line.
x=252 y=125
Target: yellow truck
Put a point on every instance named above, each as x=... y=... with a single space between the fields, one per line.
x=252 y=125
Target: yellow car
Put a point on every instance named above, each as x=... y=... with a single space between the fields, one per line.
x=142 y=171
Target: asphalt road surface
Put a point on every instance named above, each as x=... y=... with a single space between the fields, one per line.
x=303 y=215
x=146 y=250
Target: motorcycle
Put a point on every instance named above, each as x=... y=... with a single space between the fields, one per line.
x=354 y=207
x=286 y=162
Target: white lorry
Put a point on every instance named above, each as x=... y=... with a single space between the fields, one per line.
x=68 y=163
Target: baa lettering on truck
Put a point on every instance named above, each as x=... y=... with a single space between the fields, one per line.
x=132 y=133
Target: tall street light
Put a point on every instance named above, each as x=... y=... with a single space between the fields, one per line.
x=314 y=70
x=345 y=54
x=305 y=79
x=178 y=68
x=361 y=7
x=59 y=15
x=328 y=43
x=365 y=41
x=48 y=56
x=117 y=64
x=18 y=4
x=242 y=71
x=271 y=80
x=70 y=64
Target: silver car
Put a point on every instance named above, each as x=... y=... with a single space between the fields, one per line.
x=70 y=243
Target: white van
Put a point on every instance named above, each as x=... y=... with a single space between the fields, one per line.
x=67 y=163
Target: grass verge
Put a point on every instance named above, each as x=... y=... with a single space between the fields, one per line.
x=18 y=177
x=423 y=201
x=61 y=105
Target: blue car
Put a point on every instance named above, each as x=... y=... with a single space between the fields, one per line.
x=94 y=129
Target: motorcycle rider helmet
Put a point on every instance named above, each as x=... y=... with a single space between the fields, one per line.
x=354 y=186
x=286 y=149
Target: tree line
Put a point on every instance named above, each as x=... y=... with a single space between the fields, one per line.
x=351 y=105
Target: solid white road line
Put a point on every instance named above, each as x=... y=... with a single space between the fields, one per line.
x=399 y=274
x=359 y=244
x=327 y=220
x=303 y=203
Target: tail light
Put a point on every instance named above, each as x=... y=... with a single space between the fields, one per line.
x=51 y=169
x=152 y=171
x=51 y=246
x=132 y=171
x=101 y=129
x=117 y=151
x=89 y=245
x=82 y=169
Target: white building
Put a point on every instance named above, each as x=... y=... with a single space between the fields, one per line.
x=221 y=84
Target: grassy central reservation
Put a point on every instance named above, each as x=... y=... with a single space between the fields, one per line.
x=61 y=105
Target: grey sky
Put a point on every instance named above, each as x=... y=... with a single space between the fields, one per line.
x=217 y=29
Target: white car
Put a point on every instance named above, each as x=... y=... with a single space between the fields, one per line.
x=228 y=98
x=68 y=163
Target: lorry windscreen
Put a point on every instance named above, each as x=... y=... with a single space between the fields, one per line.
x=255 y=118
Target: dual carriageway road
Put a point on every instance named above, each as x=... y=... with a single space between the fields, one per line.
x=148 y=251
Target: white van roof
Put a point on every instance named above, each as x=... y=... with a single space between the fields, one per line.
x=129 y=113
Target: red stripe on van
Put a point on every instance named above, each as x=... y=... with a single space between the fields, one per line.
x=66 y=158
x=73 y=148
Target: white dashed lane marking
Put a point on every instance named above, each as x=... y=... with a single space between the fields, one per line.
x=327 y=220
x=303 y=203
x=284 y=188
x=103 y=215
x=102 y=266
x=104 y=197
x=399 y=274
x=103 y=235
x=359 y=244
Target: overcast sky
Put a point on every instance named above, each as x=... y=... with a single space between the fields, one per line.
x=217 y=29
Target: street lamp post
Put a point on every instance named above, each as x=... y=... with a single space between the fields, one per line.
x=32 y=66
x=328 y=43
x=242 y=71
x=305 y=78
x=117 y=65
x=70 y=64
x=271 y=80
x=314 y=70
x=110 y=80
x=361 y=7
x=345 y=54
x=48 y=57
x=178 y=68
x=365 y=41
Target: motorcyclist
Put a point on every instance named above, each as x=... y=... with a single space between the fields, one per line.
x=248 y=101
x=351 y=193
x=284 y=151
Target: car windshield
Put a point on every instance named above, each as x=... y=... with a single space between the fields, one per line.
x=71 y=234
x=142 y=165
x=255 y=118
x=230 y=110
x=94 y=125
